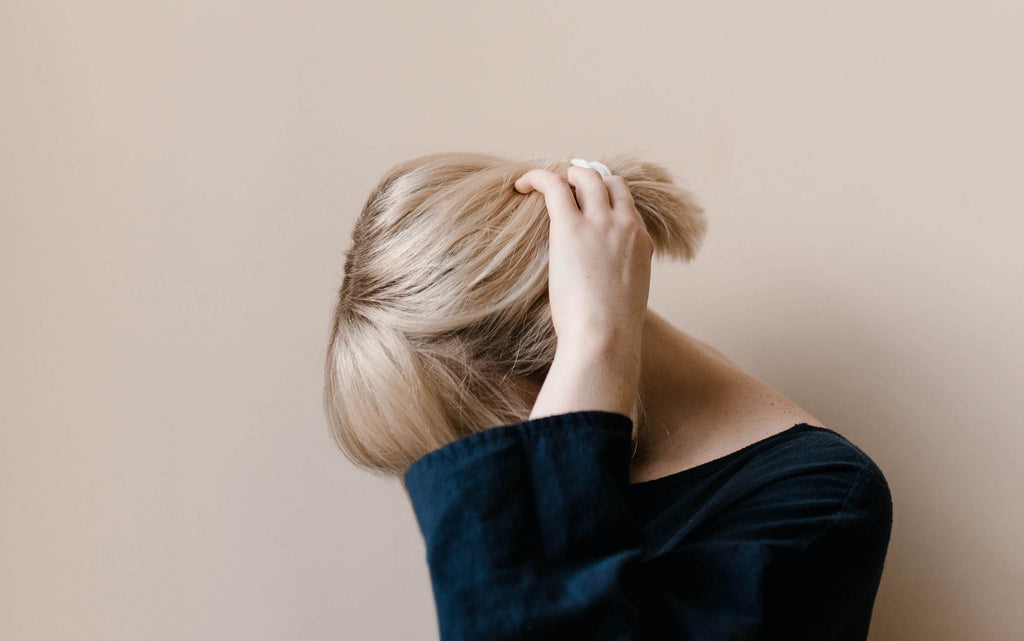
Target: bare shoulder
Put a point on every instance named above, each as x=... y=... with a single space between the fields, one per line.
x=766 y=406
x=751 y=401
x=714 y=408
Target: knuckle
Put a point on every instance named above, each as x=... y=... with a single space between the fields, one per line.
x=553 y=178
x=561 y=187
x=583 y=171
x=649 y=245
x=638 y=231
x=631 y=224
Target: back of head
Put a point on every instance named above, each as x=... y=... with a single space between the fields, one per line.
x=443 y=308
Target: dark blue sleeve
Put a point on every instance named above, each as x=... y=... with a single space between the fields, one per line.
x=529 y=536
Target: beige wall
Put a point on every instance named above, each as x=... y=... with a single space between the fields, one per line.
x=179 y=180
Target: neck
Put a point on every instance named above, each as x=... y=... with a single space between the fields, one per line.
x=684 y=386
x=681 y=380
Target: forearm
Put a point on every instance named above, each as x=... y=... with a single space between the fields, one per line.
x=599 y=372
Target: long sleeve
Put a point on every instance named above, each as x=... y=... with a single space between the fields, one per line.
x=529 y=536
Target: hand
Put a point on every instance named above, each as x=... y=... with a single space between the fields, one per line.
x=599 y=268
x=599 y=258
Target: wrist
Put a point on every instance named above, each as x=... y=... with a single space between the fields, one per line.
x=575 y=384
x=597 y=346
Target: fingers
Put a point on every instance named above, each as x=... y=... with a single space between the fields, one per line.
x=557 y=195
x=595 y=193
x=618 y=191
x=590 y=190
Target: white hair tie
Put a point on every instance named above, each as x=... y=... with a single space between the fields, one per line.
x=593 y=164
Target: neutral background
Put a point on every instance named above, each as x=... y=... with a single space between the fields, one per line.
x=179 y=180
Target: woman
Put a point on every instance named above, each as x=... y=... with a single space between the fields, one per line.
x=579 y=468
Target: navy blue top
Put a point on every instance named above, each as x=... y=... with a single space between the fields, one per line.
x=533 y=531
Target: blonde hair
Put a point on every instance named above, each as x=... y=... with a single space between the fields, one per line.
x=443 y=304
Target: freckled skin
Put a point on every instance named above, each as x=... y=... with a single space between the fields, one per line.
x=700 y=405
x=705 y=404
